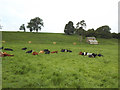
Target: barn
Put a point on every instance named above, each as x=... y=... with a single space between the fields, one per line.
x=91 y=40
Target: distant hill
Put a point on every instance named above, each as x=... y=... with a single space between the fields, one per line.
x=48 y=38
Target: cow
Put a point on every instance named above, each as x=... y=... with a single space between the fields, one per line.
x=24 y=48
x=65 y=50
x=41 y=52
x=54 y=52
x=8 y=49
x=29 y=51
x=3 y=54
x=90 y=54
x=34 y=53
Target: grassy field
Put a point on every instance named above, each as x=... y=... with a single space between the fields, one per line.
x=61 y=70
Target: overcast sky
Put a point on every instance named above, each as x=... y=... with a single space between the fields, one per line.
x=57 y=13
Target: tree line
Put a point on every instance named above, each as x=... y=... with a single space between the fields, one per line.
x=36 y=23
x=79 y=29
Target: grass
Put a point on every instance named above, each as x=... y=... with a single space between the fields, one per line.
x=62 y=70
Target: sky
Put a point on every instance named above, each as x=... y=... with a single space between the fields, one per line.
x=56 y=13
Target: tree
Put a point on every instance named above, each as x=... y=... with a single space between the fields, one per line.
x=69 y=28
x=116 y=35
x=30 y=26
x=83 y=24
x=90 y=33
x=80 y=29
x=103 y=32
x=35 y=24
x=22 y=27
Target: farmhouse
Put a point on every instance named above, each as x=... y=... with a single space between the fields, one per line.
x=91 y=40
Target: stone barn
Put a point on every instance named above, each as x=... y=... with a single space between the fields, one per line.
x=91 y=40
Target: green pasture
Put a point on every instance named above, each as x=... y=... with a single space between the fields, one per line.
x=61 y=70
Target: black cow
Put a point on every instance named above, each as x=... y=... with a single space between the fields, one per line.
x=24 y=48
x=8 y=49
x=29 y=51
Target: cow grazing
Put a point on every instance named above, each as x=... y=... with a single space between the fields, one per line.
x=24 y=48
x=8 y=49
x=29 y=51
x=1 y=47
x=34 y=53
x=54 y=52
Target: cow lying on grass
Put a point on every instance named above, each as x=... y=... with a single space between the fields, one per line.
x=24 y=48
x=90 y=54
x=29 y=51
x=41 y=52
x=34 y=53
x=8 y=49
x=54 y=52
x=3 y=54
x=65 y=50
